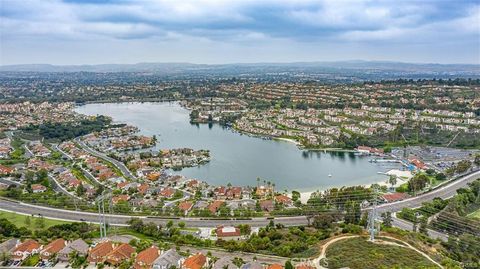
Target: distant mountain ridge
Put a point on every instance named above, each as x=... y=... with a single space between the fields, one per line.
x=186 y=67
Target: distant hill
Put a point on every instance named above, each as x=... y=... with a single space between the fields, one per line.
x=245 y=67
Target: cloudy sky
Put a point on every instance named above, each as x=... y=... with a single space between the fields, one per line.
x=232 y=31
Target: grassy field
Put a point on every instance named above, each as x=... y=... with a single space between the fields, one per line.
x=358 y=253
x=19 y=220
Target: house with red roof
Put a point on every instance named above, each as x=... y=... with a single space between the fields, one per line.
x=195 y=262
x=215 y=206
x=25 y=249
x=119 y=254
x=167 y=192
x=284 y=200
x=99 y=253
x=52 y=248
x=185 y=206
x=120 y=198
x=228 y=233
x=37 y=188
x=146 y=258
x=394 y=197
x=6 y=170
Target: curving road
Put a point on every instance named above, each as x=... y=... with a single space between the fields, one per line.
x=23 y=208
x=125 y=171
x=443 y=192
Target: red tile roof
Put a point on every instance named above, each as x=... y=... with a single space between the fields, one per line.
x=120 y=253
x=27 y=246
x=146 y=258
x=195 y=262
x=100 y=251
x=185 y=206
x=215 y=205
x=396 y=196
x=52 y=248
x=275 y=266
x=227 y=231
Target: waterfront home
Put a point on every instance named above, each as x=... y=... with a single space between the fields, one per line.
x=99 y=253
x=52 y=248
x=119 y=254
x=168 y=259
x=79 y=246
x=146 y=258
x=196 y=261
x=25 y=249
x=228 y=233
x=234 y=193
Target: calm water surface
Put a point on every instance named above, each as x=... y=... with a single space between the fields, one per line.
x=240 y=159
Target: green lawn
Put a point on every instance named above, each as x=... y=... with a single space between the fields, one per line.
x=475 y=215
x=358 y=253
x=19 y=220
x=32 y=260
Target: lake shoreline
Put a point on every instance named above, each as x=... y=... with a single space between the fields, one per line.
x=239 y=158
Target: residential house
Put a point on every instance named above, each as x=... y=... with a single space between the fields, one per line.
x=196 y=261
x=284 y=200
x=25 y=249
x=225 y=262
x=185 y=206
x=119 y=254
x=267 y=205
x=52 y=248
x=146 y=258
x=215 y=206
x=168 y=259
x=8 y=246
x=120 y=198
x=6 y=170
x=79 y=246
x=167 y=192
x=99 y=253
x=37 y=188
x=228 y=233
x=394 y=197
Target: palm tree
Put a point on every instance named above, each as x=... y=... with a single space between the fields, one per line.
x=392 y=180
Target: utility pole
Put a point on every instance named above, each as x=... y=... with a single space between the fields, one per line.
x=372 y=215
x=102 y=218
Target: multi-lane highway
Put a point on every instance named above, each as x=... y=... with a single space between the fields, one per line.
x=23 y=208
